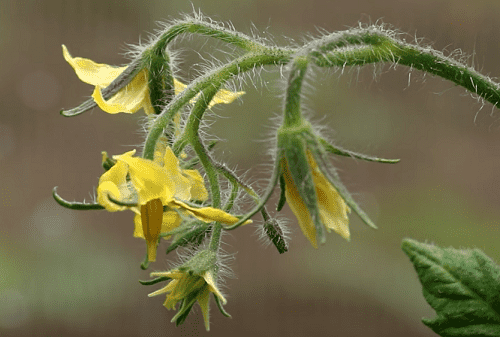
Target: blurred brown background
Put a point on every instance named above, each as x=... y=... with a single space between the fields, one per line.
x=70 y=273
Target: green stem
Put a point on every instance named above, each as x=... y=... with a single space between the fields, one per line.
x=235 y=181
x=219 y=32
x=192 y=135
x=215 y=78
x=215 y=238
x=292 y=113
x=372 y=45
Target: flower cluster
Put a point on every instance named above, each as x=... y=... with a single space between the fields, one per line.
x=166 y=188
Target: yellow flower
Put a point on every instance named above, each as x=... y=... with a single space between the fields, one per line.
x=188 y=287
x=134 y=95
x=332 y=208
x=154 y=185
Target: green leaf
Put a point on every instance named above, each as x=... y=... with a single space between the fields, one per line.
x=462 y=285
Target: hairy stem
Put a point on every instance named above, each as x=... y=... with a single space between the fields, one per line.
x=372 y=45
x=214 y=78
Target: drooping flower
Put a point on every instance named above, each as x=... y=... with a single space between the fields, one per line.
x=160 y=189
x=187 y=287
x=332 y=208
x=133 y=96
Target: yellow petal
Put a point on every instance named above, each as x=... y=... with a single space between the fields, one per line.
x=177 y=125
x=161 y=145
x=105 y=190
x=90 y=72
x=182 y=185
x=113 y=182
x=160 y=291
x=213 y=288
x=150 y=180
x=128 y=99
x=224 y=96
x=333 y=209
x=146 y=104
x=207 y=214
x=198 y=190
x=203 y=300
x=299 y=208
x=171 y=220
x=175 y=274
x=178 y=87
x=138 y=231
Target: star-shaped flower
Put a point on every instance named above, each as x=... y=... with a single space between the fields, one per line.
x=187 y=288
x=135 y=94
x=161 y=190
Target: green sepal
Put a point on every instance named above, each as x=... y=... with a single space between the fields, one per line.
x=85 y=106
x=329 y=172
x=200 y=263
x=107 y=162
x=347 y=153
x=155 y=280
x=282 y=200
x=184 y=310
x=81 y=206
x=221 y=308
x=194 y=235
x=461 y=285
x=186 y=305
x=298 y=165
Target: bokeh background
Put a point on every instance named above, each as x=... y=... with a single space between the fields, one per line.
x=70 y=273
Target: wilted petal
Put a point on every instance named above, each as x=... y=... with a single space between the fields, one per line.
x=198 y=190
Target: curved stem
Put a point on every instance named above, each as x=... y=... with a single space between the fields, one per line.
x=204 y=28
x=192 y=135
x=292 y=112
x=214 y=78
x=81 y=206
x=371 y=45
